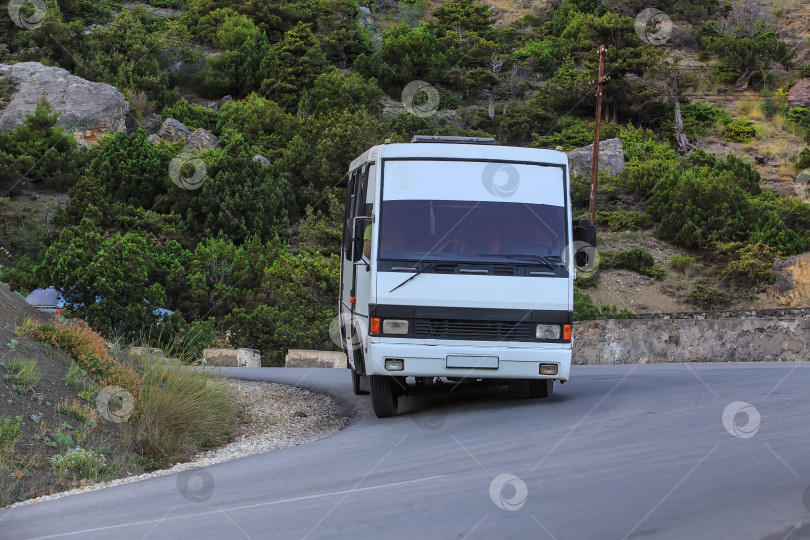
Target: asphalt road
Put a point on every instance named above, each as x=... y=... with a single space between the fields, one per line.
x=618 y=452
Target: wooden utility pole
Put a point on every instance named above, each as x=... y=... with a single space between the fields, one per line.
x=595 y=163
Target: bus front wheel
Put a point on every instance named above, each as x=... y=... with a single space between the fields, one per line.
x=383 y=397
x=531 y=388
x=541 y=388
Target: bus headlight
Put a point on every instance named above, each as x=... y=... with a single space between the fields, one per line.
x=398 y=327
x=548 y=331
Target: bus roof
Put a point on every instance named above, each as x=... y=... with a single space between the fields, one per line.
x=461 y=151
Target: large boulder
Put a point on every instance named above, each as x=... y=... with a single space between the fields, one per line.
x=261 y=159
x=611 y=158
x=201 y=139
x=799 y=94
x=173 y=130
x=88 y=110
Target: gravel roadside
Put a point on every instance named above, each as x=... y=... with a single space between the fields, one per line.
x=278 y=416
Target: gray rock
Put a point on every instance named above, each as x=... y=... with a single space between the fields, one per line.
x=153 y=138
x=88 y=110
x=173 y=130
x=799 y=94
x=217 y=104
x=611 y=158
x=784 y=280
x=261 y=159
x=201 y=139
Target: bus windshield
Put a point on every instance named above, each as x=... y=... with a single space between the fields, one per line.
x=466 y=211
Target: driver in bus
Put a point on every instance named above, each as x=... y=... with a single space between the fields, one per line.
x=479 y=238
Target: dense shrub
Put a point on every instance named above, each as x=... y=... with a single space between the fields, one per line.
x=699 y=120
x=580 y=191
x=681 y=263
x=749 y=264
x=803 y=160
x=744 y=47
x=131 y=169
x=179 y=339
x=799 y=115
x=740 y=130
x=635 y=259
x=573 y=133
x=426 y=56
x=588 y=281
x=264 y=124
x=709 y=297
x=298 y=311
x=700 y=206
x=586 y=310
x=39 y=151
x=111 y=282
x=240 y=197
x=191 y=115
x=623 y=220
x=128 y=57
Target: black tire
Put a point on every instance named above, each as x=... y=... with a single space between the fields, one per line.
x=356 y=384
x=541 y=388
x=383 y=398
x=531 y=388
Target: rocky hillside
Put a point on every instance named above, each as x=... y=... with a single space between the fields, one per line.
x=187 y=159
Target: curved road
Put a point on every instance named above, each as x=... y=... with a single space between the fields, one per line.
x=618 y=452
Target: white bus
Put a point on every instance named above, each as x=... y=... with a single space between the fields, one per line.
x=456 y=267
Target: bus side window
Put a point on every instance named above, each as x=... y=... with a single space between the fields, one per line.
x=367 y=200
x=351 y=197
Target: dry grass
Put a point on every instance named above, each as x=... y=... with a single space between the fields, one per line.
x=744 y=107
x=178 y=413
x=779 y=122
x=786 y=171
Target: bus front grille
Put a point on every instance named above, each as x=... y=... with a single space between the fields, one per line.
x=474 y=330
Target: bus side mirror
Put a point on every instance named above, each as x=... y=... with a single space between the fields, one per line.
x=583 y=232
x=359 y=225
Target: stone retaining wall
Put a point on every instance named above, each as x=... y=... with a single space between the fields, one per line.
x=232 y=357
x=312 y=359
x=775 y=335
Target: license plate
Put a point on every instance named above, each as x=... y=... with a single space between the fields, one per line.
x=472 y=362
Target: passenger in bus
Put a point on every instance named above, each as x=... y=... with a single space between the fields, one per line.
x=367 y=241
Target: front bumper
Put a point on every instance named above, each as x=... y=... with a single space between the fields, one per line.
x=516 y=360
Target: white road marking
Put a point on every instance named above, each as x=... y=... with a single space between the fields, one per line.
x=244 y=507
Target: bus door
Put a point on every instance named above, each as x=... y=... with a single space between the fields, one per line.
x=356 y=259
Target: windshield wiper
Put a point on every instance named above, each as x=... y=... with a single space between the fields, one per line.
x=424 y=269
x=539 y=258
